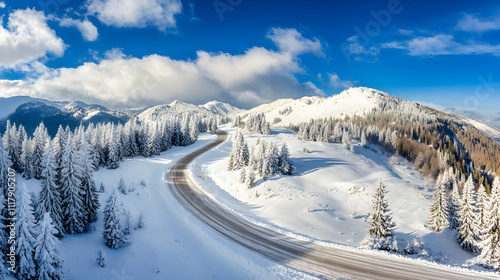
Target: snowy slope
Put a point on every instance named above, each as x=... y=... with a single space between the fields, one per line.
x=221 y=108
x=172 y=245
x=330 y=196
x=353 y=101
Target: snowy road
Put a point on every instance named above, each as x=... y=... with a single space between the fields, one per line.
x=309 y=257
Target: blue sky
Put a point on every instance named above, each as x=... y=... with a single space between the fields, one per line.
x=126 y=53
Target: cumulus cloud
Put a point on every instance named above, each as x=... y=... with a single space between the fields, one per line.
x=335 y=82
x=254 y=77
x=88 y=30
x=27 y=38
x=133 y=13
x=442 y=44
x=2 y=5
x=473 y=23
x=291 y=41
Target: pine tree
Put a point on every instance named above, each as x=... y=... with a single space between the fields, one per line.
x=25 y=229
x=481 y=201
x=363 y=139
x=25 y=158
x=113 y=153
x=4 y=169
x=438 y=219
x=243 y=175
x=49 y=264
x=250 y=179
x=467 y=236
x=40 y=139
x=380 y=219
x=153 y=141
x=101 y=258
x=72 y=205
x=113 y=231
x=90 y=197
x=284 y=162
x=50 y=197
x=454 y=206
x=490 y=234
x=346 y=139
x=121 y=186
x=102 y=189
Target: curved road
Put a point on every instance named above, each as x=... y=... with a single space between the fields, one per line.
x=309 y=257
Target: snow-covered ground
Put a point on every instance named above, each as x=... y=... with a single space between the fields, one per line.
x=329 y=198
x=172 y=245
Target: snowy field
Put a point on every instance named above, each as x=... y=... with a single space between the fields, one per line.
x=172 y=245
x=329 y=198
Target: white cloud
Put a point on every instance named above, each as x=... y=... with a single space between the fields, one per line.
x=335 y=82
x=360 y=52
x=27 y=38
x=2 y=5
x=442 y=44
x=259 y=75
x=88 y=30
x=472 y=23
x=291 y=41
x=134 y=13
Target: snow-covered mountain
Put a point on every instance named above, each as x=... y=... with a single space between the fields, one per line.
x=221 y=108
x=350 y=102
x=181 y=108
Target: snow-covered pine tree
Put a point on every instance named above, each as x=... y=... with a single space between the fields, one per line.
x=346 y=139
x=102 y=189
x=48 y=262
x=284 y=162
x=481 y=201
x=250 y=180
x=113 y=153
x=185 y=139
x=490 y=234
x=4 y=169
x=467 y=237
x=25 y=158
x=363 y=139
x=50 y=197
x=438 y=219
x=236 y=122
x=239 y=156
x=25 y=233
x=122 y=187
x=71 y=193
x=101 y=258
x=243 y=175
x=40 y=139
x=454 y=206
x=113 y=231
x=194 y=129
x=380 y=218
x=90 y=196
x=153 y=141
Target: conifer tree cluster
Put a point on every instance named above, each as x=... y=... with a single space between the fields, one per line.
x=37 y=250
x=68 y=201
x=256 y=123
x=264 y=159
x=314 y=131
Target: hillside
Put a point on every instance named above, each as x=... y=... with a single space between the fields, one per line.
x=350 y=102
